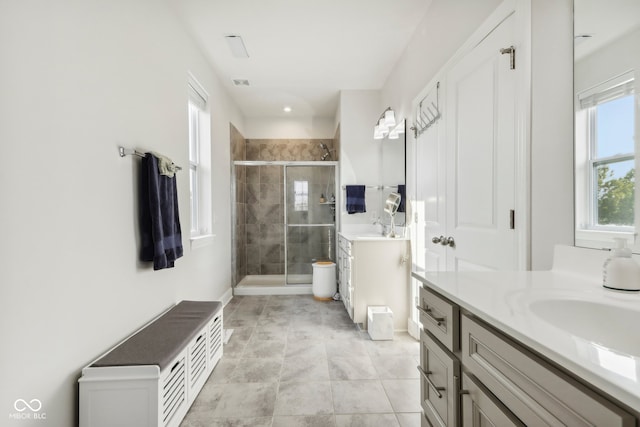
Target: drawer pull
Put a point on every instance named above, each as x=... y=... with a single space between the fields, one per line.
x=425 y=375
x=428 y=312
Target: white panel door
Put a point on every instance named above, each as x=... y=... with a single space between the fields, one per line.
x=431 y=197
x=480 y=121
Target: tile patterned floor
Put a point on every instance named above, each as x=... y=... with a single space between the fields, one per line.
x=293 y=361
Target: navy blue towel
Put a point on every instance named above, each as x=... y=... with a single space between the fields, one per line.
x=161 y=238
x=355 y=199
x=402 y=192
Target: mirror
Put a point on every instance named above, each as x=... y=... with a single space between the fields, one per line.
x=607 y=119
x=392 y=171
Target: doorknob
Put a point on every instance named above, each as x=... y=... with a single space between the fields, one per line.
x=444 y=241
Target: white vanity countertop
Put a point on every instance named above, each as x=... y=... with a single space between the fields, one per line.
x=364 y=232
x=520 y=304
x=358 y=236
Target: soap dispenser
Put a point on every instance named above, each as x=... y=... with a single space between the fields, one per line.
x=620 y=271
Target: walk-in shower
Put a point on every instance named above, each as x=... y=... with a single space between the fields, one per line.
x=285 y=219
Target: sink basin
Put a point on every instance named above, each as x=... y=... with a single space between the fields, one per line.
x=607 y=325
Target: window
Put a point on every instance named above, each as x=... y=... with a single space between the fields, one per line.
x=301 y=195
x=199 y=160
x=605 y=127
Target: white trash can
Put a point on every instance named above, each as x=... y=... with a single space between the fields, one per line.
x=380 y=322
x=324 y=280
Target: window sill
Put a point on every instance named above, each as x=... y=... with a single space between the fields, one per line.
x=602 y=239
x=202 y=240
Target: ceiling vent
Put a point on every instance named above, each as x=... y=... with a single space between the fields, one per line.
x=237 y=46
x=240 y=82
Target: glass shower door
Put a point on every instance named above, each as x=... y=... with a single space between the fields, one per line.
x=310 y=219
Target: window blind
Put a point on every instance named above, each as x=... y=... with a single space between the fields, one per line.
x=604 y=94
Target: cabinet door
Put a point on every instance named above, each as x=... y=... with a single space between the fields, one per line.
x=439 y=383
x=481 y=408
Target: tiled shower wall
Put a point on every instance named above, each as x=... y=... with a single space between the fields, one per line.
x=259 y=237
x=288 y=149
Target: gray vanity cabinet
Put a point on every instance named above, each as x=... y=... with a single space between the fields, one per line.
x=534 y=390
x=475 y=375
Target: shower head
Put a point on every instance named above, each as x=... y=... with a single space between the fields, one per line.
x=327 y=152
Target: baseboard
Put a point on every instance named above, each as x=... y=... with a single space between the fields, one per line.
x=413 y=329
x=226 y=297
x=273 y=290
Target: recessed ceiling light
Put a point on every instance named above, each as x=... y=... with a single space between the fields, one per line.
x=237 y=46
x=241 y=82
x=286 y=109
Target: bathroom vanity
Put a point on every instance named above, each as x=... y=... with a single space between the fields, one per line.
x=373 y=270
x=527 y=348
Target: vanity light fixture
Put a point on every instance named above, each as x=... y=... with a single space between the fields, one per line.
x=396 y=131
x=386 y=122
x=286 y=109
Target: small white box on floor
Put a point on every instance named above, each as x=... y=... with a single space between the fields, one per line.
x=380 y=322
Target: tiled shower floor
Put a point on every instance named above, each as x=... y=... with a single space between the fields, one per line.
x=294 y=361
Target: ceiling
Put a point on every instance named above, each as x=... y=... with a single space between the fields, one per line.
x=603 y=21
x=302 y=52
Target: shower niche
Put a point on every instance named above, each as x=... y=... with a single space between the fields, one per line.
x=284 y=221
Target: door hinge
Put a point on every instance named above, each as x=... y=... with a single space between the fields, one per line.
x=512 y=219
x=415 y=217
x=512 y=56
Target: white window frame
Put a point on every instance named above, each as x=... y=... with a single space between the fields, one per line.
x=301 y=196
x=199 y=124
x=588 y=232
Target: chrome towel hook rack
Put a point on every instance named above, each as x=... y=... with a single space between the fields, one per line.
x=133 y=152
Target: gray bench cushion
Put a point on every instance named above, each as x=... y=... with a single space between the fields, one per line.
x=161 y=341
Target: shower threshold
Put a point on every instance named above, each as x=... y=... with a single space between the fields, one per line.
x=274 y=284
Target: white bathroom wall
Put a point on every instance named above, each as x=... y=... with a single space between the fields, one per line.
x=552 y=198
x=360 y=162
x=289 y=128
x=445 y=27
x=78 y=78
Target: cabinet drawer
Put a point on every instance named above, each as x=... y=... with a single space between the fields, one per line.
x=481 y=408
x=439 y=383
x=440 y=317
x=535 y=391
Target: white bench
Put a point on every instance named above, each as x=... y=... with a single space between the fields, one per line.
x=153 y=376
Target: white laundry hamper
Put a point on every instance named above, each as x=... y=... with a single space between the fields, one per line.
x=324 y=280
